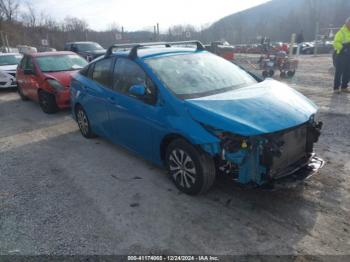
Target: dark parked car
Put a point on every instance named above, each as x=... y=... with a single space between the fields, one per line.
x=88 y=50
x=322 y=48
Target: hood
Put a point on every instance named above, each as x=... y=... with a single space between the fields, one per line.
x=266 y=107
x=11 y=68
x=63 y=77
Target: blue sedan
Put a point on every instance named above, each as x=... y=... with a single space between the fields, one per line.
x=197 y=115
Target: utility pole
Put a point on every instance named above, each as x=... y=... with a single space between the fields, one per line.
x=158 y=31
x=317 y=15
x=2 y=39
x=292 y=42
x=316 y=37
x=155 y=33
x=7 y=44
x=122 y=34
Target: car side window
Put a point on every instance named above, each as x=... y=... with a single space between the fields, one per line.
x=101 y=72
x=28 y=64
x=22 y=63
x=127 y=73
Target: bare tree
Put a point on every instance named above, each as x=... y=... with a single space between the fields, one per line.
x=30 y=17
x=74 y=24
x=9 y=9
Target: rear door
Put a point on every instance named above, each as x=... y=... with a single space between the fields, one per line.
x=96 y=88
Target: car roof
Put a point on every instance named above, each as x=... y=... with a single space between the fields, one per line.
x=51 y=53
x=80 y=42
x=149 y=52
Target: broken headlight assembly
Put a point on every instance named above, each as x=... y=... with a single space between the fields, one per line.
x=314 y=128
x=229 y=142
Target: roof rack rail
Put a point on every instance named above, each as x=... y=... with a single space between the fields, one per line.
x=135 y=46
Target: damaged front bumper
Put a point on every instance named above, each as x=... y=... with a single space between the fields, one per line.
x=300 y=174
x=279 y=159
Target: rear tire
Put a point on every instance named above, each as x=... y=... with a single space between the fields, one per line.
x=192 y=170
x=20 y=93
x=47 y=102
x=265 y=74
x=83 y=123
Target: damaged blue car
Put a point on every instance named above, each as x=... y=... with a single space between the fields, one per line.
x=197 y=115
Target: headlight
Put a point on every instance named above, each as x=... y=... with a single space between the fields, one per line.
x=3 y=75
x=55 y=84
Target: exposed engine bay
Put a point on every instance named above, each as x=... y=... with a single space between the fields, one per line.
x=270 y=157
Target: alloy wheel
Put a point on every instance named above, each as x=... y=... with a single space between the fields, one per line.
x=44 y=103
x=83 y=122
x=182 y=168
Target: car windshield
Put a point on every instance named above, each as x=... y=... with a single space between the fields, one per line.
x=10 y=60
x=198 y=75
x=89 y=47
x=56 y=63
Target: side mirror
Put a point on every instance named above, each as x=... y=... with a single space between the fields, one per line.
x=137 y=90
x=28 y=72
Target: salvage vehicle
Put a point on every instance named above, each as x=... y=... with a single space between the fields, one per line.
x=8 y=66
x=45 y=78
x=223 y=49
x=197 y=114
x=87 y=50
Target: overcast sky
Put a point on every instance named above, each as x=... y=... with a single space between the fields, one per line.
x=143 y=14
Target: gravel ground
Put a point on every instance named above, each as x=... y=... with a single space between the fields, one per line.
x=63 y=194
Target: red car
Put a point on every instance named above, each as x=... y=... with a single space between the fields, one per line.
x=45 y=78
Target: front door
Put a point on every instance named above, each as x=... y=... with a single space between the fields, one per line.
x=29 y=81
x=134 y=119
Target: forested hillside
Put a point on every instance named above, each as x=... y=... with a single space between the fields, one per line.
x=277 y=19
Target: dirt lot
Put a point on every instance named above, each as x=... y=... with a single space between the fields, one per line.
x=63 y=194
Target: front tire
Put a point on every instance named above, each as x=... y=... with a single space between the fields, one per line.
x=47 y=102
x=192 y=170
x=84 y=123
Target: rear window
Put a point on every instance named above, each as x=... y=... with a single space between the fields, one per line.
x=56 y=63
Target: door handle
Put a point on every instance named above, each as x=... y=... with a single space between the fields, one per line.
x=112 y=100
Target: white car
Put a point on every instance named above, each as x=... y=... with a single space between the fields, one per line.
x=8 y=67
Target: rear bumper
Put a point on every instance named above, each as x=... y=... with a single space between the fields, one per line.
x=299 y=174
x=63 y=99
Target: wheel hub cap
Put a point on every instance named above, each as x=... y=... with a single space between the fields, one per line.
x=182 y=168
